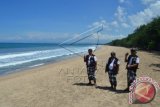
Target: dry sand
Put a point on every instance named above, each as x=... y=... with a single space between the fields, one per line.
x=63 y=84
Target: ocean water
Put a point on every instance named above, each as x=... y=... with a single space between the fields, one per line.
x=17 y=56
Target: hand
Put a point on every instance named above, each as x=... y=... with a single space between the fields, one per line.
x=84 y=58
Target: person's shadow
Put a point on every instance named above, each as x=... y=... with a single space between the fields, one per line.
x=118 y=91
x=83 y=84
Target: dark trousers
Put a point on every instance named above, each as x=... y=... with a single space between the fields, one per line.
x=91 y=73
x=131 y=76
x=112 y=78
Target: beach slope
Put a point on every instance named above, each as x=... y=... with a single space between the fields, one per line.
x=64 y=84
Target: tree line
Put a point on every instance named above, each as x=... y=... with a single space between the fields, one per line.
x=146 y=37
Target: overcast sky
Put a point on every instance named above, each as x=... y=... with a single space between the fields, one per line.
x=50 y=21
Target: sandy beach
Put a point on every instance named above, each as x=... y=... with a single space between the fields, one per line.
x=63 y=84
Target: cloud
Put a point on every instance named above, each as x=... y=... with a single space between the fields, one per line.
x=114 y=24
x=113 y=31
x=108 y=37
x=145 y=16
x=104 y=37
x=121 y=17
x=11 y=38
x=125 y=25
x=120 y=14
x=147 y=2
x=122 y=1
x=99 y=23
x=108 y=26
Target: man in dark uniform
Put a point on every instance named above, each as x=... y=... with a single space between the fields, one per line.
x=132 y=66
x=91 y=63
x=112 y=67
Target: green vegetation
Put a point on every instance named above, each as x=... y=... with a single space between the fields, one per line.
x=145 y=37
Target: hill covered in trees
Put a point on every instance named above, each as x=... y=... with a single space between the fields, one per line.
x=145 y=37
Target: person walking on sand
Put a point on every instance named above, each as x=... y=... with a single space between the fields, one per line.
x=112 y=67
x=91 y=63
x=132 y=66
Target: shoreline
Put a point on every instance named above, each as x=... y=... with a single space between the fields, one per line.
x=57 y=84
x=52 y=61
x=21 y=59
x=26 y=70
x=56 y=60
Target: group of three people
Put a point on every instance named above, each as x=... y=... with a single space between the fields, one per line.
x=112 y=67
